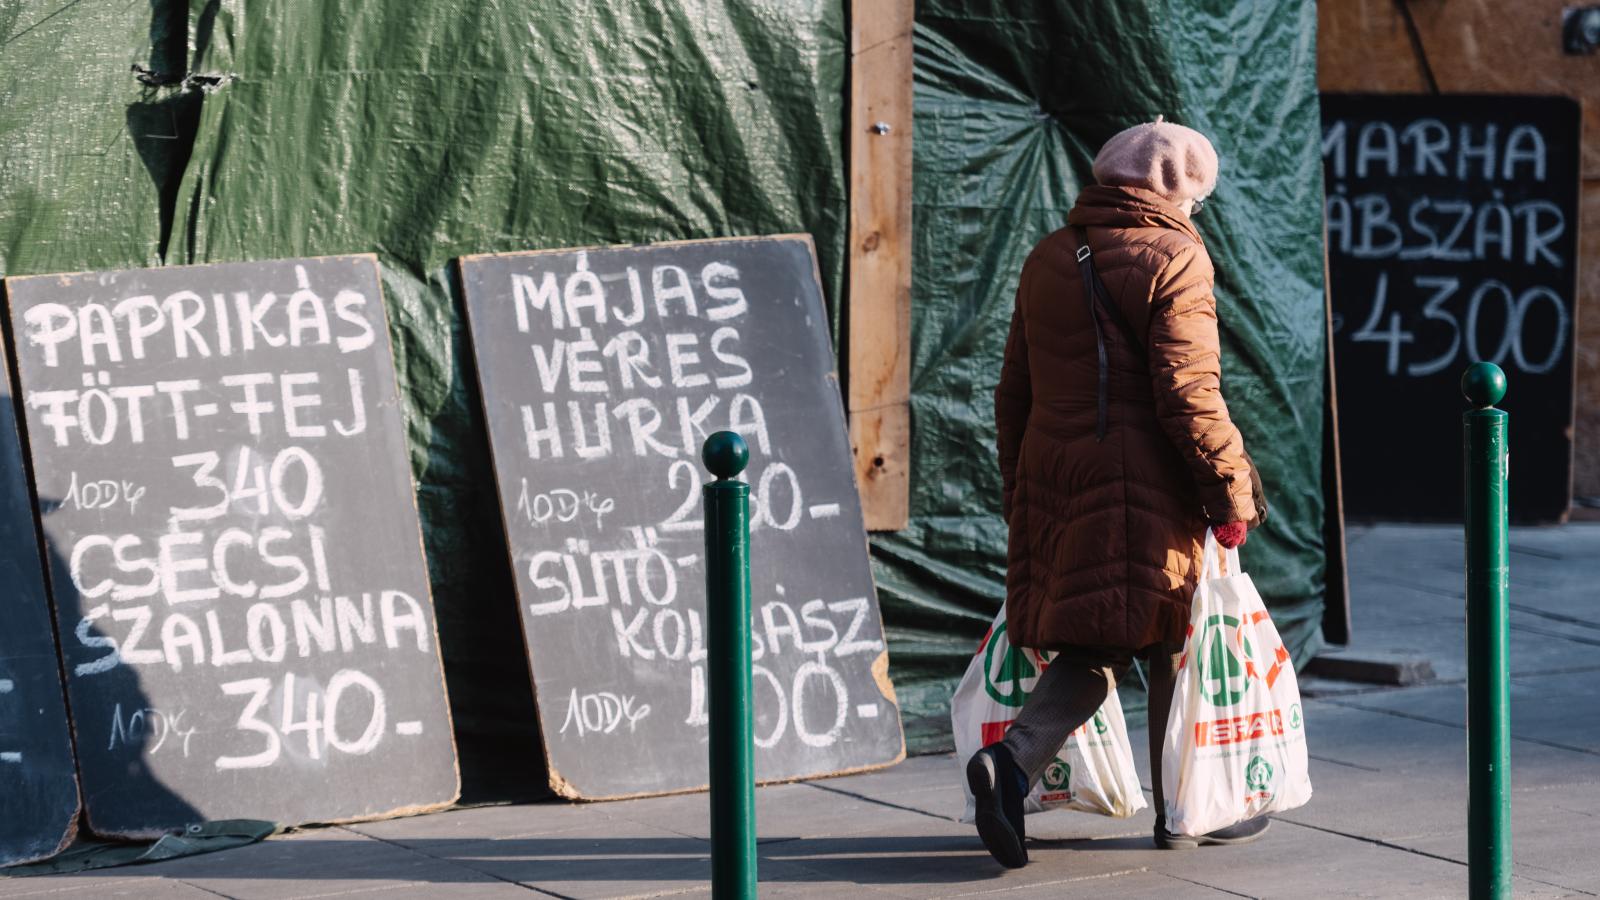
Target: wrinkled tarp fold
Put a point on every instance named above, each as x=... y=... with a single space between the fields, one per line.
x=209 y=837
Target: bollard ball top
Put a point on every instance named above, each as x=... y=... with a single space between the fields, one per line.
x=1484 y=384
x=725 y=454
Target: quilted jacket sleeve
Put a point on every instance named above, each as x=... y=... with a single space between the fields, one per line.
x=1186 y=374
x=1013 y=398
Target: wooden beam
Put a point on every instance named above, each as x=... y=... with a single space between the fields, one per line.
x=1336 y=578
x=878 y=312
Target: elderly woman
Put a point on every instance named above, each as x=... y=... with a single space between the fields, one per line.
x=1116 y=453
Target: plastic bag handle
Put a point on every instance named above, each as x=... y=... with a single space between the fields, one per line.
x=1218 y=561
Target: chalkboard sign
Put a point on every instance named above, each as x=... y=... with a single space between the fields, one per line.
x=38 y=788
x=1452 y=238
x=602 y=372
x=235 y=556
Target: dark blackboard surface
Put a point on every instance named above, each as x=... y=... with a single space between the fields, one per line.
x=1452 y=237
x=636 y=354
x=234 y=551
x=38 y=787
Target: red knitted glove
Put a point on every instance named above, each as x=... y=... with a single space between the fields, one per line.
x=1232 y=534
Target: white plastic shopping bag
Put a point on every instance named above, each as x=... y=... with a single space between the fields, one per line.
x=1236 y=737
x=1092 y=772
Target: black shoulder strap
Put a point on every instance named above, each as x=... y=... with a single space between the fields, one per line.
x=1097 y=298
x=1093 y=283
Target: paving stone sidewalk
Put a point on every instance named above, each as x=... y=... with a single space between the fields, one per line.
x=1388 y=818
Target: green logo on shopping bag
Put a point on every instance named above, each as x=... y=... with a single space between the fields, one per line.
x=1222 y=674
x=1008 y=679
x=1057 y=776
x=1258 y=775
x=1294 y=717
x=1100 y=726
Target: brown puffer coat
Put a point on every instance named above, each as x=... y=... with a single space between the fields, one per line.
x=1106 y=536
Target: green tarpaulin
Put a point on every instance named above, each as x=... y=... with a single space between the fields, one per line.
x=153 y=133
x=142 y=134
x=196 y=840
x=1012 y=101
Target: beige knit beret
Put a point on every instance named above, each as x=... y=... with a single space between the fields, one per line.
x=1176 y=162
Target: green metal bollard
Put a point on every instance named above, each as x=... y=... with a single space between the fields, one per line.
x=1488 y=678
x=733 y=784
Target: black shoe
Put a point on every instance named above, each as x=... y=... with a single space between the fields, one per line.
x=1240 y=833
x=999 y=787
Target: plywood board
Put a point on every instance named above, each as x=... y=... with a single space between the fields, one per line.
x=879 y=309
x=38 y=780
x=235 y=557
x=602 y=371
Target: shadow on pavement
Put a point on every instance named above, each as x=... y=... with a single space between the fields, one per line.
x=860 y=859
